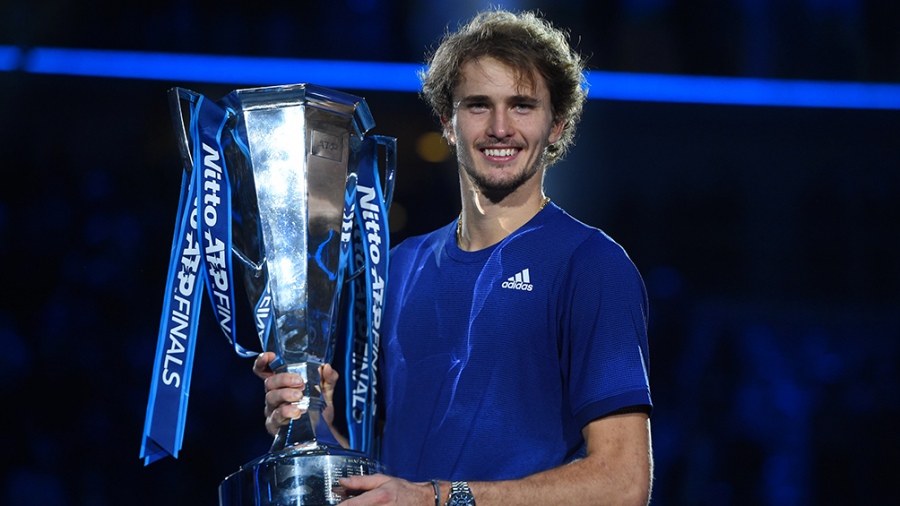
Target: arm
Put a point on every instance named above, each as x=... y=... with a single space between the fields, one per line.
x=618 y=469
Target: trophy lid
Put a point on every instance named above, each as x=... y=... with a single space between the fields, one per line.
x=271 y=97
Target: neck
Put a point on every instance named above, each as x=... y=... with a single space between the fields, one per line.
x=483 y=223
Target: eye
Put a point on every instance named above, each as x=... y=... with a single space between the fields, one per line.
x=523 y=107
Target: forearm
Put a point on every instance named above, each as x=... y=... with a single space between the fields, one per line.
x=616 y=471
x=578 y=483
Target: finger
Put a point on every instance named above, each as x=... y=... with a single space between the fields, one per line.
x=280 y=397
x=283 y=380
x=261 y=365
x=360 y=483
x=328 y=374
x=286 y=413
x=328 y=377
x=282 y=416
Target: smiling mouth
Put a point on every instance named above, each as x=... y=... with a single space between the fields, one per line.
x=500 y=152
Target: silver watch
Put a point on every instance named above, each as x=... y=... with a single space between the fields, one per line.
x=460 y=495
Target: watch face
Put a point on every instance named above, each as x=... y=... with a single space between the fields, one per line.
x=460 y=495
x=461 y=499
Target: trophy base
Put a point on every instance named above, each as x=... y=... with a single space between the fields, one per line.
x=294 y=480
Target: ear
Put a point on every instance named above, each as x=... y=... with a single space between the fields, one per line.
x=556 y=131
x=447 y=126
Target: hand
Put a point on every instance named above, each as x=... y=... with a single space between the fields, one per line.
x=285 y=390
x=282 y=391
x=382 y=489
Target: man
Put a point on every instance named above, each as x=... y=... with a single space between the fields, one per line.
x=514 y=338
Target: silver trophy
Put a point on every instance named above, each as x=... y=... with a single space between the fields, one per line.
x=296 y=156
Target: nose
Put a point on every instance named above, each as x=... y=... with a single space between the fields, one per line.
x=500 y=126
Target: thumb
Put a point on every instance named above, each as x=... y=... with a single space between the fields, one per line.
x=327 y=379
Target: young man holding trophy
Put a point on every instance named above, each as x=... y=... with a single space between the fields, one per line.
x=514 y=350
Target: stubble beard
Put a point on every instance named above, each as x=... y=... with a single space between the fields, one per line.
x=496 y=191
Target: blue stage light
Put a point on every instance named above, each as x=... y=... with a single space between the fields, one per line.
x=743 y=91
x=9 y=58
x=235 y=70
x=402 y=77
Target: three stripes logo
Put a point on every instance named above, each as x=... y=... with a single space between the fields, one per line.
x=521 y=281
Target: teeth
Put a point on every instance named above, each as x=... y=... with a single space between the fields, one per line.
x=500 y=152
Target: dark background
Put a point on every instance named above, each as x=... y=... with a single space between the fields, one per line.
x=769 y=239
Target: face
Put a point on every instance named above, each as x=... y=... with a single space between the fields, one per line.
x=500 y=126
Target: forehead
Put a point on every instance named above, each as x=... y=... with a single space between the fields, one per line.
x=491 y=77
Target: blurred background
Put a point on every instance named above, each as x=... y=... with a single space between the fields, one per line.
x=768 y=236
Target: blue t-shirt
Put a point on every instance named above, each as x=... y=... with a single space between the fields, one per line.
x=494 y=360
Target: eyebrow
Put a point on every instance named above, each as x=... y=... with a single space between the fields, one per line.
x=515 y=99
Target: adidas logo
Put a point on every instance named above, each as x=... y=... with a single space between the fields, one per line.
x=521 y=281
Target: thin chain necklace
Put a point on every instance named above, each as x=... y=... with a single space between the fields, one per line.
x=459 y=221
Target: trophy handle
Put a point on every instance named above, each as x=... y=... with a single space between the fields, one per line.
x=176 y=95
x=390 y=167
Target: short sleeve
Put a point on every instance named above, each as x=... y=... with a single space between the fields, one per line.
x=603 y=331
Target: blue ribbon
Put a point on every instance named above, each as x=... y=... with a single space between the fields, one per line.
x=167 y=407
x=214 y=211
x=371 y=250
x=201 y=250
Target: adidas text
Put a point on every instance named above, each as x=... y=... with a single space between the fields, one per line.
x=518 y=285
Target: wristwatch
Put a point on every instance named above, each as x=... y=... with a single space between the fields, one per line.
x=460 y=495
